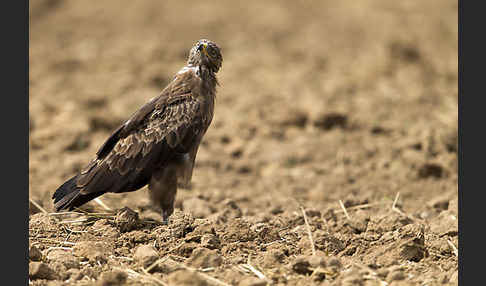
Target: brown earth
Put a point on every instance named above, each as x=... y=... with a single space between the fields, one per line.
x=320 y=103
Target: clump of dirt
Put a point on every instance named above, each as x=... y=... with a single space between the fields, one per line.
x=40 y=270
x=353 y=124
x=145 y=255
x=126 y=220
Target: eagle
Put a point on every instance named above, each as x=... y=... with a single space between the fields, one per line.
x=157 y=145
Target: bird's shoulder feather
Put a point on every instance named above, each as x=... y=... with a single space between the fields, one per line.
x=180 y=89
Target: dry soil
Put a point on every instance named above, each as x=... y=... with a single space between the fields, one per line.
x=345 y=111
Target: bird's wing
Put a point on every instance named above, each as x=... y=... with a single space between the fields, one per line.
x=182 y=84
x=164 y=127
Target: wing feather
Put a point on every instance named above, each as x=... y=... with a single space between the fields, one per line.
x=165 y=126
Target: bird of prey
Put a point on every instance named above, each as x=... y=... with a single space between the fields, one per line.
x=157 y=145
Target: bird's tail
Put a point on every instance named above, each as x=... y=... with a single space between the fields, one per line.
x=68 y=196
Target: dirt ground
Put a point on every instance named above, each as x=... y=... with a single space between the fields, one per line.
x=345 y=112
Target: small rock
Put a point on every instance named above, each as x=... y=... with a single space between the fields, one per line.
x=319 y=274
x=225 y=139
x=328 y=243
x=412 y=251
x=187 y=248
x=74 y=274
x=359 y=222
x=210 y=241
x=301 y=265
x=243 y=168
x=88 y=272
x=204 y=258
x=413 y=248
x=440 y=203
x=404 y=51
x=377 y=130
x=252 y=281
x=431 y=170
x=296 y=118
x=186 y=278
x=453 y=206
x=203 y=226
x=313 y=213
x=180 y=223
x=40 y=270
x=317 y=260
x=126 y=220
x=335 y=262
x=445 y=223
x=383 y=272
x=450 y=141
x=35 y=254
x=112 y=278
x=395 y=275
x=273 y=257
x=236 y=149
x=64 y=257
x=60 y=269
x=277 y=210
x=331 y=120
x=167 y=266
x=91 y=250
x=145 y=255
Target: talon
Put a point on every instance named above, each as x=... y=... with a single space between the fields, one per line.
x=165 y=217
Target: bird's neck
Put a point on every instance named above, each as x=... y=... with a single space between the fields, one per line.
x=208 y=78
x=208 y=88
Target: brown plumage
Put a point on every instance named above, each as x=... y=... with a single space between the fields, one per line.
x=158 y=144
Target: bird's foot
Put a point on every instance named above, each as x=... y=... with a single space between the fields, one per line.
x=165 y=217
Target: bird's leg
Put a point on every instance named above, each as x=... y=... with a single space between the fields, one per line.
x=185 y=165
x=163 y=189
x=165 y=216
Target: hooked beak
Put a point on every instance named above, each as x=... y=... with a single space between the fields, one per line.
x=202 y=48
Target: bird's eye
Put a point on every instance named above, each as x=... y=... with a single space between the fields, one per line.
x=212 y=53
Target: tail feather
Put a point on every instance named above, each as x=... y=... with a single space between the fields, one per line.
x=68 y=196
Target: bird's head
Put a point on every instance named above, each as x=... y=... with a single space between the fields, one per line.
x=207 y=53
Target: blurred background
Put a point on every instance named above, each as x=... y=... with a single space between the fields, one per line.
x=319 y=100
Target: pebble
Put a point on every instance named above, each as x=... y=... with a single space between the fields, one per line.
x=126 y=219
x=301 y=265
x=93 y=251
x=35 y=254
x=204 y=258
x=40 y=270
x=112 y=278
x=145 y=255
